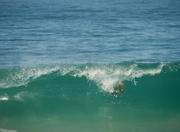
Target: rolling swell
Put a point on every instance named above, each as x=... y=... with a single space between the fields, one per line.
x=91 y=80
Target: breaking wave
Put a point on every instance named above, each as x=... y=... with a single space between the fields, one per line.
x=104 y=75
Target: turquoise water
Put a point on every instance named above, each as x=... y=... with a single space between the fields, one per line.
x=61 y=59
x=76 y=98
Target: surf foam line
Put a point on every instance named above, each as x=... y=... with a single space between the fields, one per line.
x=5 y=130
x=20 y=77
x=108 y=76
x=105 y=75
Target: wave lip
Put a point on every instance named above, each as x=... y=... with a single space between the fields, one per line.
x=23 y=76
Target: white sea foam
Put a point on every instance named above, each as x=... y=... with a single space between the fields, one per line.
x=4 y=98
x=19 y=96
x=5 y=130
x=106 y=76
x=23 y=76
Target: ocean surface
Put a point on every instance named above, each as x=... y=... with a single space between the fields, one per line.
x=61 y=59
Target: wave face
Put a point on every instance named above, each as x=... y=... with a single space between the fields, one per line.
x=60 y=91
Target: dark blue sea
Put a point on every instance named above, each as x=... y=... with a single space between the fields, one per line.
x=61 y=60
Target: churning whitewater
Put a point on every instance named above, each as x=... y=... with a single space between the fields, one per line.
x=104 y=75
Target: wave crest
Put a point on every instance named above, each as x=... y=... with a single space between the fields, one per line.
x=105 y=75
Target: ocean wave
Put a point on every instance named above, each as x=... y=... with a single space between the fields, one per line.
x=104 y=75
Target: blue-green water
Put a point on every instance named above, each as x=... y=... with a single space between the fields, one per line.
x=76 y=98
x=60 y=60
x=110 y=31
